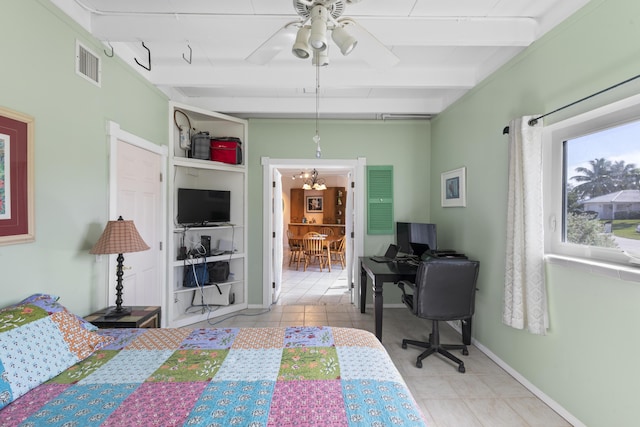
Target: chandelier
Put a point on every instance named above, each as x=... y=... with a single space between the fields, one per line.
x=313 y=182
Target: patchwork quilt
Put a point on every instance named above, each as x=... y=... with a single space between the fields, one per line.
x=287 y=376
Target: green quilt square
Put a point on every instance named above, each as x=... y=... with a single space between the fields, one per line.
x=309 y=363
x=190 y=365
x=84 y=368
x=18 y=315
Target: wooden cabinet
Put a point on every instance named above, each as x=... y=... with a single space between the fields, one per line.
x=297 y=204
x=340 y=204
x=334 y=200
x=334 y=204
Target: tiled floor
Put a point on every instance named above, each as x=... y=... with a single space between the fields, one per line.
x=484 y=396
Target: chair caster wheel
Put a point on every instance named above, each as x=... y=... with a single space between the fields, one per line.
x=419 y=364
x=465 y=352
x=461 y=369
x=404 y=345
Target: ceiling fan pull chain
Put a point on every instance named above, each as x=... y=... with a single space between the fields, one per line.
x=316 y=138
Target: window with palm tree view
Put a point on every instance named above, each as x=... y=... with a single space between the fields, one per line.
x=602 y=189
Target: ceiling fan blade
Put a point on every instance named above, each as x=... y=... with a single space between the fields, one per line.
x=281 y=39
x=370 y=49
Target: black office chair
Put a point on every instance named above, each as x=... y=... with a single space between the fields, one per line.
x=445 y=290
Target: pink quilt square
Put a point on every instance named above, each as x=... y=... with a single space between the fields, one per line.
x=24 y=406
x=308 y=403
x=157 y=404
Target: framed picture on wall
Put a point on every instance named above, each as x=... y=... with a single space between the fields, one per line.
x=453 y=191
x=16 y=177
x=314 y=204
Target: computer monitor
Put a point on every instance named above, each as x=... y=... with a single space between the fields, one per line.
x=414 y=232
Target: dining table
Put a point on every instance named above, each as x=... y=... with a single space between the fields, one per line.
x=327 y=239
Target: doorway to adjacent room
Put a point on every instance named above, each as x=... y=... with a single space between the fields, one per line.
x=285 y=284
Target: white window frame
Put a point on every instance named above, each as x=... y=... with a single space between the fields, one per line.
x=554 y=135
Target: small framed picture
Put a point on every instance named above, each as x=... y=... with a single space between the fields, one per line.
x=314 y=204
x=453 y=188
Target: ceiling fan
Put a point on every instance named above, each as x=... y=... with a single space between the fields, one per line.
x=307 y=36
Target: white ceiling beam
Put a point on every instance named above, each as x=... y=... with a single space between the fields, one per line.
x=390 y=31
x=339 y=77
x=328 y=106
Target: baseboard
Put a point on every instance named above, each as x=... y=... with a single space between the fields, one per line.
x=522 y=380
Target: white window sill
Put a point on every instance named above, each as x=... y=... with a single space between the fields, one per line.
x=615 y=271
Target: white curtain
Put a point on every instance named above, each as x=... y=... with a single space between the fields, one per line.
x=525 y=296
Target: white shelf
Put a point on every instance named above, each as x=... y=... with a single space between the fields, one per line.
x=206 y=228
x=184 y=319
x=185 y=289
x=186 y=172
x=186 y=162
x=212 y=258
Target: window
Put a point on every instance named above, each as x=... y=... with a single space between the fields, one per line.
x=592 y=174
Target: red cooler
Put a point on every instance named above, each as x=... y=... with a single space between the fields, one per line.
x=226 y=150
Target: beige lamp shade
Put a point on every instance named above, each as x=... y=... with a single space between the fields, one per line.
x=119 y=237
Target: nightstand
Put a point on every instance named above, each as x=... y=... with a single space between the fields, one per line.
x=140 y=317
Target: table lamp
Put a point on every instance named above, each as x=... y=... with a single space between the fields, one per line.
x=119 y=237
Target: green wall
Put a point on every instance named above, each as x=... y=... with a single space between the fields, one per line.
x=403 y=144
x=38 y=44
x=583 y=363
x=592 y=50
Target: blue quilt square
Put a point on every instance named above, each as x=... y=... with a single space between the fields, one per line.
x=250 y=365
x=370 y=402
x=219 y=338
x=32 y=354
x=227 y=403
x=128 y=366
x=122 y=337
x=308 y=336
x=366 y=362
x=81 y=405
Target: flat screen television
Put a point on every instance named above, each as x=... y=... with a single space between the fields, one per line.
x=203 y=207
x=418 y=233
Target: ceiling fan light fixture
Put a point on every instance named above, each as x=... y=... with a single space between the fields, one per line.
x=320 y=58
x=301 y=47
x=345 y=41
x=318 y=37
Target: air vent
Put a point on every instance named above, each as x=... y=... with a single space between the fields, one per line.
x=88 y=64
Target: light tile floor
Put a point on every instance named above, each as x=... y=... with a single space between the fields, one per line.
x=484 y=396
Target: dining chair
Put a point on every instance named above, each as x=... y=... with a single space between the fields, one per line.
x=313 y=249
x=295 y=248
x=327 y=231
x=338 y=252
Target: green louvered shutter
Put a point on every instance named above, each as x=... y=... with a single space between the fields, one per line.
x=379 y=199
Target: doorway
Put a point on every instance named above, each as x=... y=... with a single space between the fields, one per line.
x=137 y=193
x=275 y=172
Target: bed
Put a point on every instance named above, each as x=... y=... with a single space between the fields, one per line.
x=57 y=370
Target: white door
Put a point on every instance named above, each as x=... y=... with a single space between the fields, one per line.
x=278 y=228
x=139 y=197
x=139 y=191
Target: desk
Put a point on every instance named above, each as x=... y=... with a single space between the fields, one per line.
x=381 y=272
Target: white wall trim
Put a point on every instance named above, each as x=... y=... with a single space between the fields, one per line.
x=522 y=380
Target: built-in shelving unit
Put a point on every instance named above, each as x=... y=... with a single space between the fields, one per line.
x=187 y=305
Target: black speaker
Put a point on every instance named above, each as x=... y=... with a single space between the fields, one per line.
x=205 y=241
